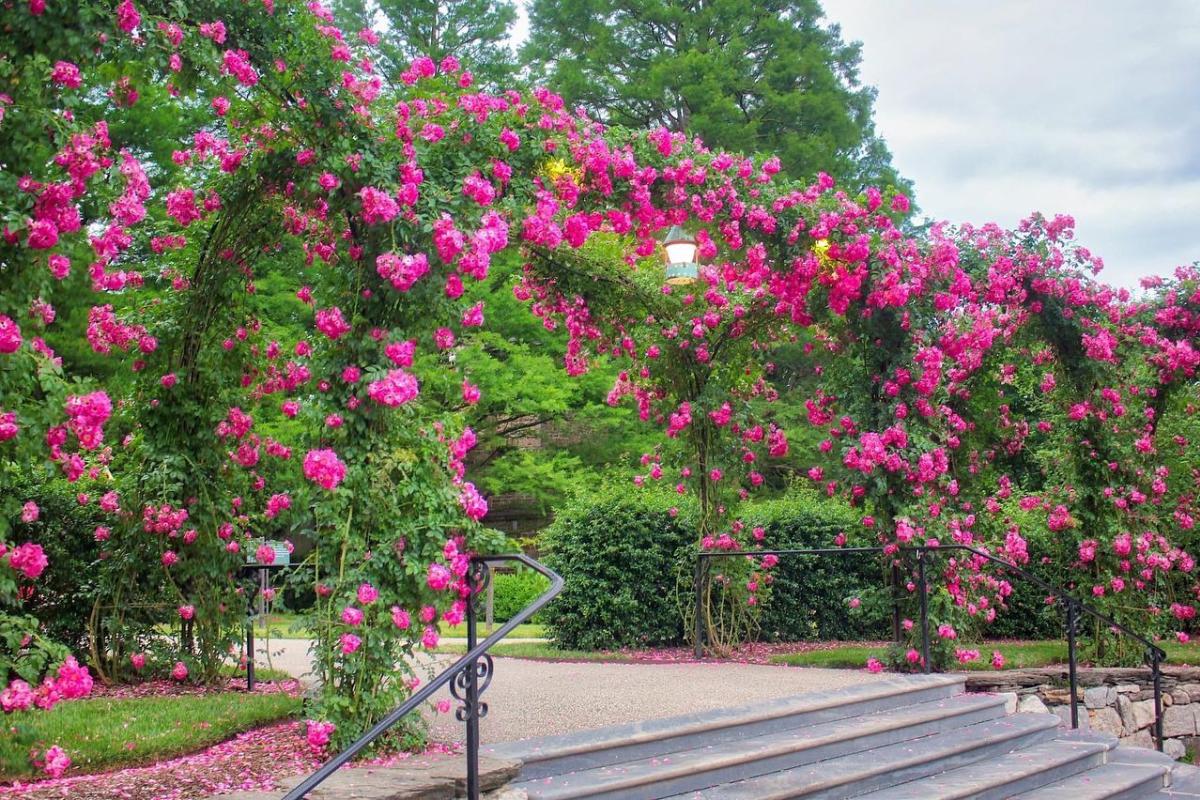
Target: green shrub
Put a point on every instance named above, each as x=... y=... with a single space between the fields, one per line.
x=809 y=595
x=616 y=549
x=514 y=591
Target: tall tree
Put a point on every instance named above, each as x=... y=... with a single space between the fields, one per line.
x=473 y=31
x=746 y=75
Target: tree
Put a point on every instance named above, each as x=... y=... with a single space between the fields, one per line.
x=473 y=31
x=763 y=77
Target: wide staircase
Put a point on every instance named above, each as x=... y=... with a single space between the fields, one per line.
x=902 y=738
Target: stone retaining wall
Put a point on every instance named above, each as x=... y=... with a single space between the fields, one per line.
x=1119 y=701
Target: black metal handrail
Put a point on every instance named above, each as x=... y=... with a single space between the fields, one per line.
x=468 y=677
x=1153 y=655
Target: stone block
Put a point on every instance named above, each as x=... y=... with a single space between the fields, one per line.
x=1053 y=697
x=1135 y=714
x=1032 y=705
x=1106 y=720
x=1098 y=696
x=1010 y=702
x=1127 y=688
x=507 y=793
x=1179 y=721
x=1174 y=748
x=1139 y=739
x=1064 y=714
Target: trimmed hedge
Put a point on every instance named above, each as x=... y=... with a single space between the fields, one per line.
x=621 y=554
x=625 y=559
x=809 y=594
x=515 y=590
x=616 y=550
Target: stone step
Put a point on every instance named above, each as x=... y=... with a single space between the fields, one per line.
x=733 y=760
x=1004 y=776
x=425 y=777
x=893 y=764
x=589 y=749
x=1107 y=782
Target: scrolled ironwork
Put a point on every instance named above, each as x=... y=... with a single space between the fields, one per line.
x=460 y=689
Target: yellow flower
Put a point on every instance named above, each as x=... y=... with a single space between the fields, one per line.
x=556 y=168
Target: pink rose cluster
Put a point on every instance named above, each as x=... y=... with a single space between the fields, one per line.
x=86 y=417
x=29 y=559
x=324 y=468
x=318 y=734
x=71 y=682
x=395 y=389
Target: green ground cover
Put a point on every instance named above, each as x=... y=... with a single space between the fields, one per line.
x=109 y=732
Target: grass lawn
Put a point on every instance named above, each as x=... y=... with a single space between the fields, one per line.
x=104 y=733
x=291 y=626
x=1017 y=655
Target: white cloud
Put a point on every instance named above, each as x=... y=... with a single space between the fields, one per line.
x=996 y=109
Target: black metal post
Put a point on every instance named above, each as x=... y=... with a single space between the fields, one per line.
x=1156 y=671
x=1072 y=624
x=921 y=587
x=249 y=654
x=698 y=626
x=895 y=602
x=472 y=704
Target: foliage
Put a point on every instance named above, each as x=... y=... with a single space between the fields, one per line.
x=516 y=590
x=106 y=733
x=748 y=76
x=473 y=31
x=615 y=553
x=810 y=595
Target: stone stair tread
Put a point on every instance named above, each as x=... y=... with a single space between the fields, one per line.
x=1107 y=782
x=424 y=777
x=1002 y=776
x=812 y=707
x=713 y=763
x=1185 y=783
x=1141 y=756
x=870 y=770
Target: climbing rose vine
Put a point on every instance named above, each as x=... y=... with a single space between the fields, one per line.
x=176 y=188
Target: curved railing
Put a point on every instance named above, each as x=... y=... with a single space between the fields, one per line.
x=467 y=677
x=1073 y=607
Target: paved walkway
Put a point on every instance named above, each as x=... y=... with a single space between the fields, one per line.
x=540 y=698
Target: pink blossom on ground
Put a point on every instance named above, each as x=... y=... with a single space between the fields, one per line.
x=56 y=761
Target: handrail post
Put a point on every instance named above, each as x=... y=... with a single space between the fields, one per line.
x=478 y=572
x=1072 y=660
x=697 y=611
x=1156 y=672
x=921 y=586
x=895 y=602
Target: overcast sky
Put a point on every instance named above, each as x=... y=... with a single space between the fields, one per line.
x=995 y=109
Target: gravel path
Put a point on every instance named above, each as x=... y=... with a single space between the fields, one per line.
x=540 y=698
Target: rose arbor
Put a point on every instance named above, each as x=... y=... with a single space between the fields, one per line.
x=254 y=252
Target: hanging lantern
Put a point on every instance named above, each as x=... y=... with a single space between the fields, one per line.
x=680 y=253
